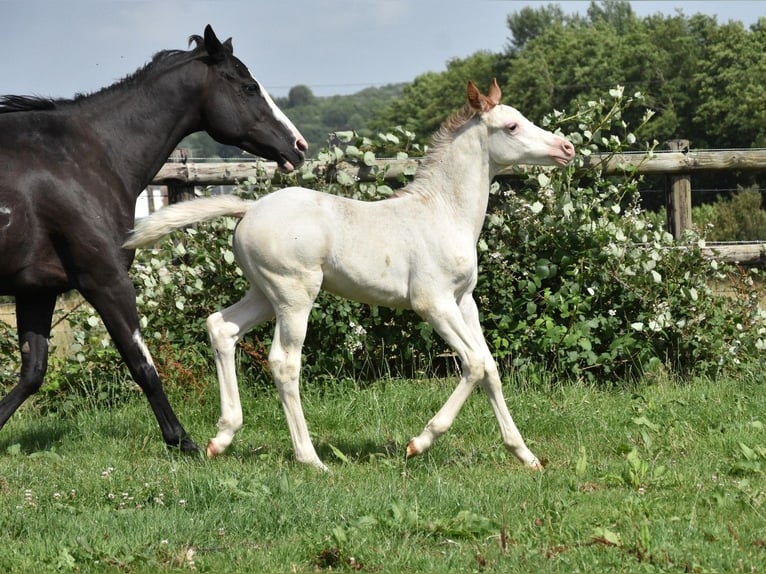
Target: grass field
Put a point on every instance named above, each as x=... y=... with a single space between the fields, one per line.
x=663 y=478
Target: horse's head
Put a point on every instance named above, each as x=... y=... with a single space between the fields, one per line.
x=238 y=111
x=513 y=139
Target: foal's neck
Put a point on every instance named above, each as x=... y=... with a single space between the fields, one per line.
x=457 y=176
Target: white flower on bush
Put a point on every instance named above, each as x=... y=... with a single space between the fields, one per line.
x=536 y=207
x=356 y=335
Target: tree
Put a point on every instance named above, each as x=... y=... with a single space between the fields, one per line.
x=731 y=88
x=703 y=81
x=300 y=96
x=426 y=102
x=529 y=23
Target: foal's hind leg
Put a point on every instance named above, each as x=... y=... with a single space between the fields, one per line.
x=225 y=329
x=33 y=322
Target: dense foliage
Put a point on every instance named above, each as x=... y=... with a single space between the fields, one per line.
x=702 y=79
x=574 y=278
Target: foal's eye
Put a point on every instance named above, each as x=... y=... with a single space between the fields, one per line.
x=512 y=127
x=251 y=89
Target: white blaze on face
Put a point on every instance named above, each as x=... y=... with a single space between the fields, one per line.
x=280 y=115
x=139 y=340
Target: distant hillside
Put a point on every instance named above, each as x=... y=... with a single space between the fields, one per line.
x=316 y=118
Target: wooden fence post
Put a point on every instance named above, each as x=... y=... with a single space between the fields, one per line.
x=179 y=191
x=678 y=195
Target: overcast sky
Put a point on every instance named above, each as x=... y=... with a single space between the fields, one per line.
x=61 y=47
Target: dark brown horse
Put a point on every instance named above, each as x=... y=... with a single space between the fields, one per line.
x=70 y=173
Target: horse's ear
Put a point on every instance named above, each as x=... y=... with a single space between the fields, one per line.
x=478 y=101
x=495 y=94
x=215 y=49
x=474 y=96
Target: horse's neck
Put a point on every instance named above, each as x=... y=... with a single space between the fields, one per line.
x=457 y=178
x=140 y=125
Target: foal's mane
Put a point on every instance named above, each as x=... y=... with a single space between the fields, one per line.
x=439 y=142
x=162 y=59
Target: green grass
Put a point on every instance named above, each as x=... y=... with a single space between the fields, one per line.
x=663 y=478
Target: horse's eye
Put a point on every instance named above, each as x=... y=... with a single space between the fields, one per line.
x=512 y=127
x=252 y=89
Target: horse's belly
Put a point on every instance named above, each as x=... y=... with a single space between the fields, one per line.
x=372 y=288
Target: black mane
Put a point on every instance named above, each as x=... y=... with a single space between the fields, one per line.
x=13 y=103
x=10 y=104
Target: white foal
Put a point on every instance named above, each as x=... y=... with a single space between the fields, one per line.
x=416 y=250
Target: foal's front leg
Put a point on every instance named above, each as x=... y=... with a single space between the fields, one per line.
x=445 y=317
x=285 y=363
x=491 y=383
x=460 y=328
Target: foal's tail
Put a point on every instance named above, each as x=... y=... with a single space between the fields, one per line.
x=149 y=229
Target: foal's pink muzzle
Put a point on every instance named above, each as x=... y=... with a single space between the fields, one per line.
x=564 y=152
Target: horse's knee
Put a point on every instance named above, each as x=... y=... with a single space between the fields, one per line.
x=34 y=363
x=220 y=333
x=474 y=368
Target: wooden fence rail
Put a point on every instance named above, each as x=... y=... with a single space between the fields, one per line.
x=663 y=162
x=677 y=165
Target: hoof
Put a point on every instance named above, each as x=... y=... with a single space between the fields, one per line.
x=211 y=450
x=188 y=445
x=411 y=450
x=184 y=445
x=535 y=465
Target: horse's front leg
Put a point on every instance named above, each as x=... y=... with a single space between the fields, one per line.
x=285 y=363
x=445 y=317
x=491 y=383
x=225 y=329
x=459 y=327
x=114 y=298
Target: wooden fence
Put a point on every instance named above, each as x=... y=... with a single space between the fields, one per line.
x=678 y=165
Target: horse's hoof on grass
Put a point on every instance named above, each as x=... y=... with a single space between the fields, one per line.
x=188 y=445
x=535 y=465
x=211 y=450
x=411 y=449
x=185 y=445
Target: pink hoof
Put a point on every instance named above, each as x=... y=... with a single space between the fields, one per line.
x=211 y=451
x=535 y=465
x=411 y=450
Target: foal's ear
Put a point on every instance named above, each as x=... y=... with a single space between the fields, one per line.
x=495 y=94
x=215 y=49
x=477 y=100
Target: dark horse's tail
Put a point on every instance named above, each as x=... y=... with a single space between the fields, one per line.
x=149 y=229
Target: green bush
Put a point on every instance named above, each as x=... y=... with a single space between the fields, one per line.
x=735 y=218
x=574 y=277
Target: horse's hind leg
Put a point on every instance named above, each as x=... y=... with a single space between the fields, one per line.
x=33 y=322
x=114 y=298
x=225 y=329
